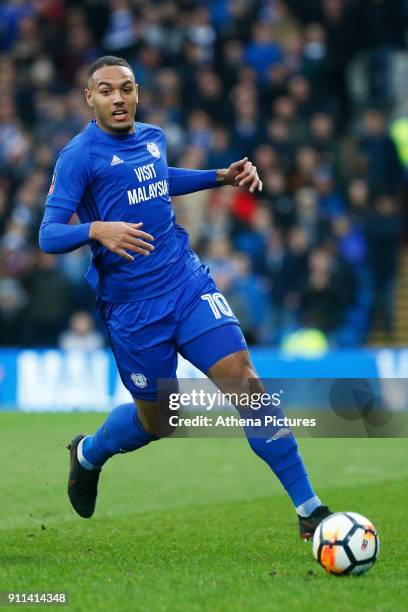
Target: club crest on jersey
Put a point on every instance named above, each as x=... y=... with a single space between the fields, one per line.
x=139 y=380
x=153 y=149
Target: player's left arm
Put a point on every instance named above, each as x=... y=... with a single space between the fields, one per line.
x=241 y=173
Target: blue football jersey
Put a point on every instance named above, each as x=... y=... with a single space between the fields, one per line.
x=103 y=177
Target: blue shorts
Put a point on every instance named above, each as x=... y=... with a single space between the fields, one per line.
x=194 y=320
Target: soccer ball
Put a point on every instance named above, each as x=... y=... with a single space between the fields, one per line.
x=346 y=543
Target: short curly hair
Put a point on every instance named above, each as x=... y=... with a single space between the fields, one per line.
x=107 y=60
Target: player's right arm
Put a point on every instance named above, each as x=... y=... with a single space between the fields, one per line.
x=69 y=183
x=118 y=236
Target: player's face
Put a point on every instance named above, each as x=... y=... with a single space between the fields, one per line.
x=113 y=95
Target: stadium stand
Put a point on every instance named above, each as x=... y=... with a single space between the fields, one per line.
x=308 y=90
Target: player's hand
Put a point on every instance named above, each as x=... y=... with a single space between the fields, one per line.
x=118 y=236
x=241 y=173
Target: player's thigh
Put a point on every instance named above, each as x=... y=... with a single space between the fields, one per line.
x=144 y=353
x=221 y=353
x=207 y=329
x=224 y=344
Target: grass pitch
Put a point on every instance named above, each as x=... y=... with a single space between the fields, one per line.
x=192 y=525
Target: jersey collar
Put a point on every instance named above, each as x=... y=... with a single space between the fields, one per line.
x=101 y=135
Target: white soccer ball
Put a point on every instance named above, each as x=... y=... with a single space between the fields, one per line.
x=346 y=543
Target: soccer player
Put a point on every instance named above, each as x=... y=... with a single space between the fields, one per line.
x=153 y=293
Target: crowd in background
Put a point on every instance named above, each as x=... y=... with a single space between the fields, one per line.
x=307 y=89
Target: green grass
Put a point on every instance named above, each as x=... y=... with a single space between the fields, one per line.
x=192 y=525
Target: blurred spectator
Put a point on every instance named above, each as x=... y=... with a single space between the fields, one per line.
x=248 y=297
x=81 y=334
x=121 y=30
x=200 y=32
x=351 y=244
x=199 y=130
x=287 y=273
x=50 y=302
x=306 y=163
x=293 y=273
x=339 y=20
x=308 y=218
x=300 y=91
x=384 y=172
x=254 y=239
x=358 y=201
x=217 y=222
x=279 y=137
x=219 y=260
x=207 y=95
x=13 y=300
x=282 y=204
x=221 y=152
x=315 y=59
x=323 y=139
x=383 y=233
x=383 y=26
x=330 y=201
x=352 y=247
x=328 y=292
x=262 y=52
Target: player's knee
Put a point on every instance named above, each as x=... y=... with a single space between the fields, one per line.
x=239 y=366
x=163 y=429
x=157 y=420
x=242 y=374
x=242 y=371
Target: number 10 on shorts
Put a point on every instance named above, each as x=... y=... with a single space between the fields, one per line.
x=218 y=304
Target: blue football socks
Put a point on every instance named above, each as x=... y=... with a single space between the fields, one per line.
x=122 y=432
x=277 y=446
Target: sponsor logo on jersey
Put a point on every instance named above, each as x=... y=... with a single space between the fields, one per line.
x=149 y=191
x=153 y=149
x=139 y=380
x=116 y=160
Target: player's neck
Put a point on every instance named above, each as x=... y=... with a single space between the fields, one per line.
x=111 y=132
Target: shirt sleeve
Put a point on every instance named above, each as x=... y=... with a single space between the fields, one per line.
x=57 y=236
x=70 y=179
x=184 y=180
